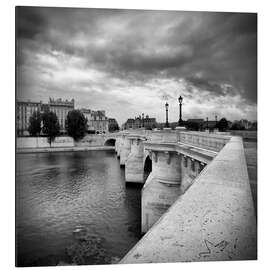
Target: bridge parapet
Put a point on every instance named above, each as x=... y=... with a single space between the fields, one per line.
x=163 y=136
x=213 y=220
x=214 y=142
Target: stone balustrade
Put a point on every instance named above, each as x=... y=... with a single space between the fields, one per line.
x=208 y=141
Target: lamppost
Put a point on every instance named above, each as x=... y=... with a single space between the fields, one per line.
x=180 y=99
x=206 y=122
x=167 y=123
x=142 y=119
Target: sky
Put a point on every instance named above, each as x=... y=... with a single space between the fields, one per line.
x=129 y=62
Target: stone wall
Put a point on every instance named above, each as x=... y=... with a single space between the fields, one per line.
x=42 y=142
x=91 y=140
x=214 y=219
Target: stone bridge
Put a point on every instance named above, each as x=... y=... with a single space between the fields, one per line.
x=196 y=200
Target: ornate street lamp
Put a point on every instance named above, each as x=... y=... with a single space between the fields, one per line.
x=180 y=99
x=167 y=123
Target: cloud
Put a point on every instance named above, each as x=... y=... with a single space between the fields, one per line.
x=130 y=55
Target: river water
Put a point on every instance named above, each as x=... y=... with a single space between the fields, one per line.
x=74 y=208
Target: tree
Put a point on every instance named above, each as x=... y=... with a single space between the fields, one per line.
x=51 y=126
x=192 y=125
x=35 y=124
x=113 y=125
x=113 y=128
x=222 y=124
x=254 y=126
x=237 y=126
x=76 y=124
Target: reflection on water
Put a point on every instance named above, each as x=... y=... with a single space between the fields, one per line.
x=59 y=195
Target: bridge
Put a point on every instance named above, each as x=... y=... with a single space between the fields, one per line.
x=196 y=199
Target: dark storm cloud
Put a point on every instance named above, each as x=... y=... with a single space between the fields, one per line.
x=213 y=52
x=29 y=22
x=205 y=85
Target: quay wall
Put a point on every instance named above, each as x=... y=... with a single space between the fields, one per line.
x=63 y=141
x=91 y=140
x=213 y=220
x=42 y=142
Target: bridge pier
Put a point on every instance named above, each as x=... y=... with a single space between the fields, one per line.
x=119 y=146
x=174 y=168
x=162 y=186
x=125 y=150
x=134 y=165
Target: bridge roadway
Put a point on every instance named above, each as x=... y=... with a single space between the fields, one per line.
x=196 y=202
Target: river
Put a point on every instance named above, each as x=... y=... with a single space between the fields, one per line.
x=74 y=208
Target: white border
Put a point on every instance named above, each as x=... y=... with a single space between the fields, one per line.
x=8 y=126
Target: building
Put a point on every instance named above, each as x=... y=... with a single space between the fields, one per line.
x=96 y=120
x=24 y=109
x=129 y=123
x=61 y=108
x=196 y=120
x=140 y=122
x=210 y=124
x=149 y=123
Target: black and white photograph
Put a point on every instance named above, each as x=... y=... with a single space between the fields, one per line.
x=136 y=136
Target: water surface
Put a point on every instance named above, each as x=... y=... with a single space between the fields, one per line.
x=57 y=193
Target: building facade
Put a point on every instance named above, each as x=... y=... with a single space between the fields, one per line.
x=140 y=122
x=24 y=110
x=96 y=120
x=61 y=108
x=129 y=124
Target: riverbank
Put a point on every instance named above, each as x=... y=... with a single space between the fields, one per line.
x=62 y=149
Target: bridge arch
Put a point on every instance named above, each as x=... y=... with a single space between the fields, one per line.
x=110 y=142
